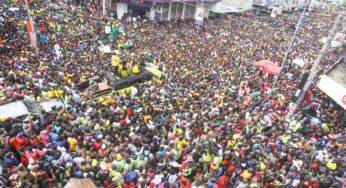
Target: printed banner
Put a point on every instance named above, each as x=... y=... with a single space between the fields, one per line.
x=31 y=33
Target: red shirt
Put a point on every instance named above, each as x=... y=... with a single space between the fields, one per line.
x=185 y=183
x=225 y=162
x=313 y=183
x=33 y=141
x=223 y=181
x=97 y=146
x=24 y=160
x=130 y=185
x=32 y=155
x=19 y=142
x=231 y=169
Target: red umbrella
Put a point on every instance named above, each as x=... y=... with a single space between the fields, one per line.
x=268 y=67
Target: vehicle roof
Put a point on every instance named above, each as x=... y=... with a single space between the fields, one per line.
x=47 y=105
x=13 y=110
x=103 y=86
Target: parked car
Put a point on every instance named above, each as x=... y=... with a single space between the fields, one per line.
x=145 y=75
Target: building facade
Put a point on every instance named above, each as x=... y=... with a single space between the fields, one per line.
x=164 y=10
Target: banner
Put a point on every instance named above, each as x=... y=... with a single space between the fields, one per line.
x=31 y=33
x=333 y=83
x=334 y=90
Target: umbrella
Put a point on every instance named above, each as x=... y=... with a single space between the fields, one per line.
x=268 y=67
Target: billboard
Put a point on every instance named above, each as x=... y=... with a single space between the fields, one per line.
x=232 y=6
x=199 y=16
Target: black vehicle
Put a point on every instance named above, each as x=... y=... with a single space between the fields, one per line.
x=122 y=83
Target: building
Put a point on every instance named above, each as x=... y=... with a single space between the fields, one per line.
x=227 y=6
x=285 y=5
x=163 y=10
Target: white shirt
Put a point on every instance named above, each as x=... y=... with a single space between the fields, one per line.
x=134 y=91
x=61 y=149
x=172 y=178
x=78 y=160
x=297 y=163
x=108 y=29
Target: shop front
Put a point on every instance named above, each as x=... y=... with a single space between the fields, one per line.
x=164 y=10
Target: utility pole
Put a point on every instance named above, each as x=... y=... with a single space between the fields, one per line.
x=314 y=69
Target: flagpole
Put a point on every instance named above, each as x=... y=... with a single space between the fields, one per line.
x=33 y=27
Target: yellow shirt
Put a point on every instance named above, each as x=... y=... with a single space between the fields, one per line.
x=135 y=69
x=181 y=143
x=331 y=165
x=115 y=60
x=147 y=118
x=246 y=175
x=263 y=166
x=72 y=143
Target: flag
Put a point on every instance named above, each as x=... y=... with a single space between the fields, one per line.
x=32 y=35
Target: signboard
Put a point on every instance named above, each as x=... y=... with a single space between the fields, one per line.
x=333 y=83
x=137 y=1
x=334 y=90
x=199 y=16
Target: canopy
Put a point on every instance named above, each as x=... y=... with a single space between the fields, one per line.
x=268 y=67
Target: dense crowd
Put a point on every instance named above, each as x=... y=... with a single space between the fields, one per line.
x=211 y=120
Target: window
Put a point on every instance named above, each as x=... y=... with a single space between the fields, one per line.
x=165 y=10
x=186 y=11
x=179 y=10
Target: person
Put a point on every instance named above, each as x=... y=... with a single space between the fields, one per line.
x=115 y=63
x=211 y=120
x=135 y=69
